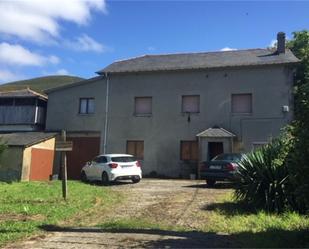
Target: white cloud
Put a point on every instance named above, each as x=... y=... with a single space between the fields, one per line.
x=273 y=44
x=228 y=49
x=86 y=43
x=38 y=20
x=62 y=71
x=7 y=76
x=18 y=55
x=151 y=48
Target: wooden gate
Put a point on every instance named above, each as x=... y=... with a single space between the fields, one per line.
x=84 y=149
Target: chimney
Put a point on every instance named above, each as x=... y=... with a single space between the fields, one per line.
x=281 y=43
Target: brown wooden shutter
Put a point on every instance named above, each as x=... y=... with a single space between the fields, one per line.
x=194 y=150
x=131 y=147
x=185 y=150
x=140 y=149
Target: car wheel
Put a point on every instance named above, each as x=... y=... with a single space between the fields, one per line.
x=83 y=177
x=136 y=179
x=105 y=180
x=210 y=183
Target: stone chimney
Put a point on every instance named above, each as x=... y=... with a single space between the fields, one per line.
x=281 y=43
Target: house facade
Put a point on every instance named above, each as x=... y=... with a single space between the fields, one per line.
x=173 y=111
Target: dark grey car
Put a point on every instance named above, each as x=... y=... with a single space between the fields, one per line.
x=220 y=168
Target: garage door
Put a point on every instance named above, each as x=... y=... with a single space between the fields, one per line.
x=41 y=164
x=84 y=149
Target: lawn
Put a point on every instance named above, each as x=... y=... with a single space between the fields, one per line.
x=26 y=206
x=253 y=228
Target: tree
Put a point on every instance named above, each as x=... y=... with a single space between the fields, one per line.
x=299 y=156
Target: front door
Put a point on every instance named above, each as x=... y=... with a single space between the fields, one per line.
x=214 y=149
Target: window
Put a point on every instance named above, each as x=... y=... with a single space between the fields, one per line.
x=189 y=150
x=86 y=105
x=100 y=159
x=143 y=106
x=191 y=103
x=136 y=148
x=242 y=103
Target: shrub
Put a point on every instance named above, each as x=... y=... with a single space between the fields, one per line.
x=265 y=180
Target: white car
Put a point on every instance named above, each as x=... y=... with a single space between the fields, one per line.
x=112 y=167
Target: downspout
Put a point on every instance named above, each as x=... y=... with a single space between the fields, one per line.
x=106 y=114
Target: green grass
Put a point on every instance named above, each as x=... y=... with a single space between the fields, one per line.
x=27 y=206
x=257 y=228
x=40 y=84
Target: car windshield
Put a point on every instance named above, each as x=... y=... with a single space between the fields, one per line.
x=227 y=157
x=123 y=159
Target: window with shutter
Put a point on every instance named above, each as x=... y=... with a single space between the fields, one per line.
x=191 y=103
x=143 y=106
x=189 y=150
x=136 y=148
x=242 y=103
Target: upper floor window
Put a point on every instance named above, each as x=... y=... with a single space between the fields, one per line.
x=189 y=150
x=191 y=103
x=136 y=148
x=143 y=106
x=86 y=105
x=242 y=103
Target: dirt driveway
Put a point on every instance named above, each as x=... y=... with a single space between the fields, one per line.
x=178 y=203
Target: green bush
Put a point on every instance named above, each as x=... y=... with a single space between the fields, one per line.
x=265 y=181
x=299 y=155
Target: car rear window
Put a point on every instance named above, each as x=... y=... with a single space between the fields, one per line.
x=227 y=157
x=123 y=159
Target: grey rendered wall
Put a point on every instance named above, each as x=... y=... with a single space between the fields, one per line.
x=63 y=108
x=163 y=131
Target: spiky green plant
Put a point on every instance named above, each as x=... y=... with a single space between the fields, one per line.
x=265 y=177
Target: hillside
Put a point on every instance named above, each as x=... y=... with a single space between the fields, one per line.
x=40 y=84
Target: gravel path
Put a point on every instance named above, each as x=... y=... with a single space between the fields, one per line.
x=168 y=202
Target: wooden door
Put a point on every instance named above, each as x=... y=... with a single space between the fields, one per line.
x=41 y=164
x=214 y=149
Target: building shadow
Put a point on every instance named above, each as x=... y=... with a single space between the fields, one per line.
x=219 y=185
x=230 y=208
x=157 y=238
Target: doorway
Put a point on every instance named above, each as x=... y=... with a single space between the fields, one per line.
x=214 y=149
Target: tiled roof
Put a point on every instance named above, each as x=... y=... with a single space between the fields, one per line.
x=23 y=93
x=25 y=138
x=216 y=132
x=185 y=61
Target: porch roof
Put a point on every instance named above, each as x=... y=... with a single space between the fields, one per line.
x=216 y=132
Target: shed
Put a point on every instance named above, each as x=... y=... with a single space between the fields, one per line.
x=29 y=156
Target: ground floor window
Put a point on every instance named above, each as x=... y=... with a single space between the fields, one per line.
x=189 y=150
x=136 y=148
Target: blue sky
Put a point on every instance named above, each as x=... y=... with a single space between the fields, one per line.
x=79 y=37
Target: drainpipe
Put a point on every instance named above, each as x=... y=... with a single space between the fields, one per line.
x=106 y=114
